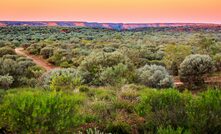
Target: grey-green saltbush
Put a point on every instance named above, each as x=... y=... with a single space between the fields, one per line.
x=154 y=76
x=193 y=69
x=6 y=81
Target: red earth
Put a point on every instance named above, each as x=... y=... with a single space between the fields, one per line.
x=36 y=59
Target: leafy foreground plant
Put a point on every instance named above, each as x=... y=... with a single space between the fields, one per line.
x=131 y=110
x=40 y=112
x=168 y=108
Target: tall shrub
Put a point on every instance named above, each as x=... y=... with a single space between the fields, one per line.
x=40 y=112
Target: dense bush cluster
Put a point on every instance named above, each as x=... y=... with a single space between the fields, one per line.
x=142 y=110
x=17 y=71
x=170 y=108
x=107 y=68
x=37 y=111
x=6 y=50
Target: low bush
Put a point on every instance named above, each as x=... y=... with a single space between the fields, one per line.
x=193 y=69
x=169 y=108
x=84 y=88
x=6 y=50
x=164 y=108
x=129 y=94
x=40 y=112
x=170 y=130
x=22 y=70
x=6 y=81
x=46 y=52
x=65 y=82
x=204 y=112
x=154 y=76
x=70 y=78
x=2 y=93
x=217 y=60
x=116 y=75
x=118 y=127
x=106 y=68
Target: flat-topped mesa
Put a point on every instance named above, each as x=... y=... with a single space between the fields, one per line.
x=114 y=26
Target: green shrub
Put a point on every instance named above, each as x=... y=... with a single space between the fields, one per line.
x=194 y=68
x=94 y=65
x=217 y=60
x=46 y=52
x=35 y=48
x=8 y=66
x=109 y=49
x=65 y=82
x=118 y=127
x=170 y=130
x=116 y=75
x=20 y=70
x=2 y=93
x=169 y=108
x=6 y=81
x=36 y=71
x=70 y=76
x=84 y=88
x=154 y=76
x=65 y=64
x=132 y=87
x=30 y=82
x=6 y=50
x=102 y=94
x=40 y=112
x=13 y=57
x=204 y=112
x=164 y=108
x=174 y=56
x=129 y=94
x=59 y=56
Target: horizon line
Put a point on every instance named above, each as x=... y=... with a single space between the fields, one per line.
x=214 y=23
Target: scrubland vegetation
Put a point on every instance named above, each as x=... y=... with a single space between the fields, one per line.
x=110 y=81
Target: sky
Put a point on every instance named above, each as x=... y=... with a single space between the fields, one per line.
x=124 y=11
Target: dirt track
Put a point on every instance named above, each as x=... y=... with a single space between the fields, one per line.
x=37 y=59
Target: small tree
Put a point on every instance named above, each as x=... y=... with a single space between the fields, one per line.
x=154 y=76
x=174 y=56
x=194 y=68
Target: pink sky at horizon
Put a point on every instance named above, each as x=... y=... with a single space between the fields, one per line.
x=116 y=11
